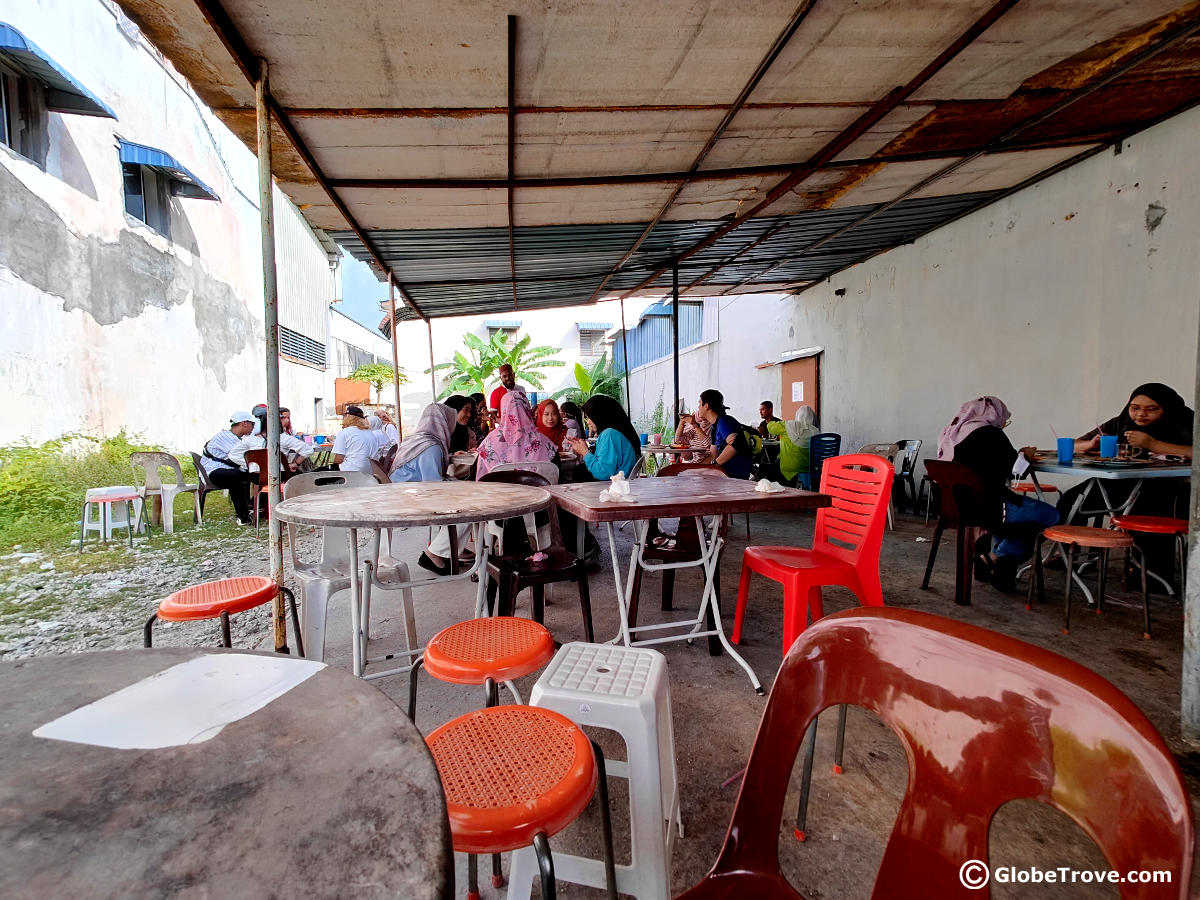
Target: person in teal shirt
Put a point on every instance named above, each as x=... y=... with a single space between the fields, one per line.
x=617 y=450
x=617 y=443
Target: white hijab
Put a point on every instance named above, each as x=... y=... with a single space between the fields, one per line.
x=803 y=426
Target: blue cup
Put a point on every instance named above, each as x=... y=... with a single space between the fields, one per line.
x=645 y=438
x=1108 y=446
x=1066 y=450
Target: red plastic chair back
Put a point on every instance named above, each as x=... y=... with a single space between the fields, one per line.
x=984 y=719
x=860 y=484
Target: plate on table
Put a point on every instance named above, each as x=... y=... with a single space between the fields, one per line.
x=1116 y=463
x=464 y=457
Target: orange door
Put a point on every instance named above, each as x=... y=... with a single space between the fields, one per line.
x=801 y=386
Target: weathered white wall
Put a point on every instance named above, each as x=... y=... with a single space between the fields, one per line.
x=106 y=323
x=1059 y=299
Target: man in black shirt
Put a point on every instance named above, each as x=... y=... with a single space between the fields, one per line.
x=766 y=409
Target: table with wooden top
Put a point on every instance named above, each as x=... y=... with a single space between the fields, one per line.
x=212 y=773
x=688 y=494
x=402 y=505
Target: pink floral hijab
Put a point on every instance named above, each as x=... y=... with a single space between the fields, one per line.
x=516 y=439
x=971 y=415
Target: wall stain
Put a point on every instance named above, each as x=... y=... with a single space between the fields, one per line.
x=116 y=281
x=1155 y=213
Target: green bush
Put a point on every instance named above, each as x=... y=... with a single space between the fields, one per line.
x=42 y=486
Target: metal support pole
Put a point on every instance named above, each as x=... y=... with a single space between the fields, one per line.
x=271 y=326
x=1189 y=714
x=432 y=374
x=625 y=362
x=395 y=353
x=675 y=342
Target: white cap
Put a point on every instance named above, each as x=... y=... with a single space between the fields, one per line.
x=240 y=416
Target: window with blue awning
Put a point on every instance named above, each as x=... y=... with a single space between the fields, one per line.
x=181 y=181
x=63 y=93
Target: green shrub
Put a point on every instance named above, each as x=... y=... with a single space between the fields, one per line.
x=42 y=486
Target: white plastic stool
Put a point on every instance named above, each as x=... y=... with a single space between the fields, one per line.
x=623 y=689
x=109 y=509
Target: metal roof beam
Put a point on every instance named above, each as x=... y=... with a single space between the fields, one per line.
x=1186 y=30
x=512 y=147
x=222 y=25
x=855 y=130
x=801 y=12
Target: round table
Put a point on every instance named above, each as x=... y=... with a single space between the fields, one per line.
x=327 y=787
x=406 y=504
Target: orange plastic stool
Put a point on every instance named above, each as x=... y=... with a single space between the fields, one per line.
x=1070 y=537
x=515 y=776
x=1160 y=525
x=483 y=651
x=1028 y=487
x=220 y=600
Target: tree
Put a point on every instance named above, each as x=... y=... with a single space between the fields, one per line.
x=377 y=374
x=599 y=379
x=471 y=372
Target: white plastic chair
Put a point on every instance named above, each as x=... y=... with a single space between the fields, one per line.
x=150 y=463
x=321 y=581
x=538 y=537
x=888 y=452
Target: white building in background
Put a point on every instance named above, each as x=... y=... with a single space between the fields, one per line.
x=130 y=261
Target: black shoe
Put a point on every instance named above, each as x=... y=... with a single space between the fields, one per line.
x=426 y=563
x=983 y=568
x=1004 y=574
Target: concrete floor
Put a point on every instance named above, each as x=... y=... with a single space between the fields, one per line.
x=716 y=713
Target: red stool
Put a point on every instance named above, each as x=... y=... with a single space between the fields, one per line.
x=1070 y=537
x=1160 y=525
x=515 y=776
x=221 y=599
x=1028 y=487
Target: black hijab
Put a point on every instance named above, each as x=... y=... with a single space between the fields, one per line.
x=605 y=412
x=460 y=438
x=1175 y=426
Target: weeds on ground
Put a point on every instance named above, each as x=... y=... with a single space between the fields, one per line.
x=42 y=485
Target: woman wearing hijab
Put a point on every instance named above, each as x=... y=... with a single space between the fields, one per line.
x=461 y=438
x=573 y=419
x=515 y=439
x=794 y=437
x=478 y=424
x=1155 y=422
x=423 y=457
x=975 y=438
x=618 y=445
x=549 y=421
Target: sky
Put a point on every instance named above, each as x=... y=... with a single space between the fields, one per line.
x=361 y=293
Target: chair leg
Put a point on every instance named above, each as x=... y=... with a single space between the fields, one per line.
x=83 y=525
x=1101 y=580
x=473 y=876
x=810 y=749
x=412 y=687
x=933 y=549
x=964 y=570
x=610 y=869
x=541 y=849
x=508 y=597
x=491 y=593
x=841 y=740
x=225 y=636
x=1146 y=597
x=539 y=603
x=291 y=599
x=148 y=631
x=739 y=611
x=1070 y=581
x=1037 y=576
x=585 y=606
x=668 y=589
x=635 y=597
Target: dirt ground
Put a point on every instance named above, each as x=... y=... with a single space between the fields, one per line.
x=716 y=713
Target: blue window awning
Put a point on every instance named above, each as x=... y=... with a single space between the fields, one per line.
x=501 y=323
x=63 y=93
x=593 y=326
x=183 y=182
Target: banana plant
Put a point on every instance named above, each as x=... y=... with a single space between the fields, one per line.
x=599 y=379
x=472 y=371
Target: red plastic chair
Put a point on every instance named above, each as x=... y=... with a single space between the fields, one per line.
x=984 y=719
x=860 y=485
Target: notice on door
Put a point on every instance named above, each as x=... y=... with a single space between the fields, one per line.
x=797 y=391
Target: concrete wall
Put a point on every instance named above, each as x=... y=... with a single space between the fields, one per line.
x=107 y=324
x=1059 y=299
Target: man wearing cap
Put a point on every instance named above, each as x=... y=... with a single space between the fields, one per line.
x=295 y=450
x=222 y=471
x=508 y=382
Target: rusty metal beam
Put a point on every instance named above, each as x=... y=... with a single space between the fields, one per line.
x=723 y=174
x=859 y=127
x=1183 y=32
x=512 y=148
x=472 y=112
x=798 y=16
x=222 y=25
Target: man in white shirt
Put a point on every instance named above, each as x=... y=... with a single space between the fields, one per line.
x=222 y=471
x=292 y=447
